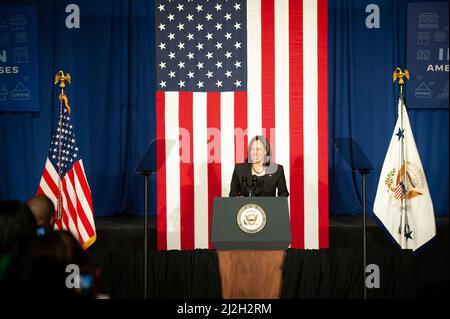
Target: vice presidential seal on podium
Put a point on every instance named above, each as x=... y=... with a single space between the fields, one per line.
x=251 y=218
x=251 y=223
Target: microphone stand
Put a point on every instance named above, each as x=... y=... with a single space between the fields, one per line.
x=253 y=184
x=245 y=184
x=251 y=187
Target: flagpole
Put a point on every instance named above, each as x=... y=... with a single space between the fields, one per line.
x=59 y=216
x=403 y=228
x=61 y=78
x=403 y=165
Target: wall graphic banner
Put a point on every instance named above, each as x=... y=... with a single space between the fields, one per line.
x=19 y=80
x=427 y=55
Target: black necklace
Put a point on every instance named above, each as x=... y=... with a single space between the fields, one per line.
x=260 y=172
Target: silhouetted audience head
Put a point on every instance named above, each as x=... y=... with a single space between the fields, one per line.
x=17 y=227
x=43 y=210
x=50 y=267
x=60 y=246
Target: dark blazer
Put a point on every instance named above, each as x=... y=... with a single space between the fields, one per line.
x=267 y=185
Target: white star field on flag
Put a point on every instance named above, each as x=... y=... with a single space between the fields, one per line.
x=201 y=45
x=69 y=150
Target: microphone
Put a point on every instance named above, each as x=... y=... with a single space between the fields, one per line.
x=254 y=182
x=244 y=185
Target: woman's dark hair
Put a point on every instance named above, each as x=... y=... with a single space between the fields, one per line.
x=266 y=145
x=17 y=227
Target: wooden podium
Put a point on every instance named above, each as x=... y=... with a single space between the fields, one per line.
x=251 y=260
x=251 y=274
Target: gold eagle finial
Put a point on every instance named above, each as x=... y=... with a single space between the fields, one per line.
x=400 y=75
x=62 y=78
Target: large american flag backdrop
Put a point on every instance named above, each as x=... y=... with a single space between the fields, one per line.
x=230 y=67
x=64 y=182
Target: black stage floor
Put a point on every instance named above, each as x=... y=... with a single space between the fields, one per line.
x=345 y=231
x=125 y=235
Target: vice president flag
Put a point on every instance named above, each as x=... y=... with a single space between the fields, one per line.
x=64 y=182
x=227 y=71
x=403 y=202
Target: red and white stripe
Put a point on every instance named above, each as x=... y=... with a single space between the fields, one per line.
x=286 y=100
x=399 y=191
x=77 y=209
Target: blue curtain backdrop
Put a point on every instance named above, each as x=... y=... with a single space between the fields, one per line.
x=111 y=60
x=363 y=102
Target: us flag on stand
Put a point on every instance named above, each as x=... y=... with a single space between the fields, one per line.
x=227 y=71
x=64 y=182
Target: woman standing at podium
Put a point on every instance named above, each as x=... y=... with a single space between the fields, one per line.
x=258 y=176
